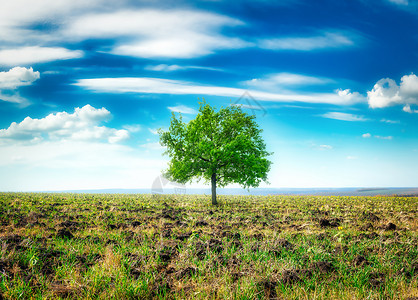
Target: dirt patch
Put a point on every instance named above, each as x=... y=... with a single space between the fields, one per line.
x=112 y=226
x=360 y=261
x=13 y=241
x=409 y=271
x=201 y=223
x=269 y=288
x=338 y=250
x=323 y=223
x=61 y=290
x=258 y=236
x=69 y=224
x=322 y=267
x=169 y=213
x=377 y=280
x=231 y=235
x=135 y=224
x=368 y=216
x=389 y=226
x=278 y=246
x=162 y=285
x=366 y=236
x=289 y=277
x=186 y=272
x=64 y=233
x=200 y=250
x=366 y=227
x=214 y=245
x=167 y=233
x=183 y=236
x=5 y=268
x=168 y=251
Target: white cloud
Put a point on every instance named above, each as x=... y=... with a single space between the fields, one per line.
x=80 y=125
x=11 y=80
x=14 y=98
x=36 y=54
x=368 y=135
x=133 y=128
x=344 y=117
x=17 y=77
x=138 y=32
x=390 y=121
x=158 y=33
x=323 y=41
x=386 y=92
x=16 y=16
x=182 y=109
x=167 y=86
x=171 y=68
x=399 y=2
x=153 y=131
x=164 y=68
x=407 y=108
x=325 y=147
x=351 y=157
x=152 y=146
x=384 y=137
x=282 y=80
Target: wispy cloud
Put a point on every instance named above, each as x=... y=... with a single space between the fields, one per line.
x=325 y=147
x=152 y=146
x=283 y=80
x=167 y=86
x=308 y=43
x=344 y=117
x=399 y=2
x=182 y=109
x=132 y=128
x=171 y=68
x=153 y=131
x=390 y=121
x=384 y=137
x=36 y=54
x=158 y=33
x=368 y=135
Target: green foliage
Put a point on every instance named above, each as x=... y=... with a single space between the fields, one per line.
x=226 y=143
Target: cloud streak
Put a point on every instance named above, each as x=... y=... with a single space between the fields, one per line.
x=150 y=85
x=344 y=117
x=182 y=109
x=310 y=43
x=149 y=33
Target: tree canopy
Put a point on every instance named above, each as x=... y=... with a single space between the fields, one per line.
x=222 y=146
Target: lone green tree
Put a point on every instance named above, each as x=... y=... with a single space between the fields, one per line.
x=222 y=147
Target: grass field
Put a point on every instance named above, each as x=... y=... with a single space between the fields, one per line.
x=95 y=246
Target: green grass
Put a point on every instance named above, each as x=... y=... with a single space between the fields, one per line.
x=181 y=247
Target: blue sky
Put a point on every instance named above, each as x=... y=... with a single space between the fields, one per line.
x=85 y=84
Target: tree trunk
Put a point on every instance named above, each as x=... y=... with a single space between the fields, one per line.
x=214 y=202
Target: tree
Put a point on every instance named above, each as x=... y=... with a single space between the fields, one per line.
x=222 y=147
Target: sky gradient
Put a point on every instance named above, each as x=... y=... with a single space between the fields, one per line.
x=84 y=85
